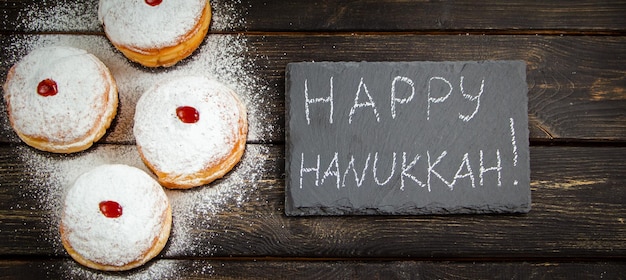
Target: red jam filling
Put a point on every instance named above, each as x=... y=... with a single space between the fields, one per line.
x=187 y=114
x=47 y=87
x=111 y=209
x=153 y=2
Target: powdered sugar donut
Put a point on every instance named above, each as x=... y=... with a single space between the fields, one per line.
x=155 y=32
x=190 y=130
x=60 y=99
x=115 y=217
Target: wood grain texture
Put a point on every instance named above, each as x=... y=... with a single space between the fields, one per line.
x=577 y=212
x=435 y=15
x=380 y=15
x=575 y=53
x=329 y=269
x=577 y=85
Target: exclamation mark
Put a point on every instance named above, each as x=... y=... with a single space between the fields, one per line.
x=514 y=144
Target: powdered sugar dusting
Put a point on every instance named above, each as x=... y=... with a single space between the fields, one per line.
x=227 y=15
x=190 y=232
x=193 y=211
x=172 y=146
x=79 y=100
x=144 y=27
x=160 y=269
x=114 y=241
x=53 y=174
x=221 y=57
x=64 y=15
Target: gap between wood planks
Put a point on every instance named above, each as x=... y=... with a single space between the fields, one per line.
x=526 y=259
x=443 y=32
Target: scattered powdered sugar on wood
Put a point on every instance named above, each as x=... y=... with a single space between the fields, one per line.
x=194 y=211
x=224 y=57
x=227 y=15
x=158 y=269
x=64 y=15
x=53 y=174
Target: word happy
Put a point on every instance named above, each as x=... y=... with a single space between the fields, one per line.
x=444 y=86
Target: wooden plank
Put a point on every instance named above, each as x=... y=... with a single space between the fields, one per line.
x=236 y=228
x=577 y=212
x=384 y=15
x=435 y=15
x=303 y=269
x=577 y=85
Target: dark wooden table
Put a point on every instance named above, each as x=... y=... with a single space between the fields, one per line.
x=236 y=228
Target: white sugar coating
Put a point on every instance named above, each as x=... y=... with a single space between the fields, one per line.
x=193 y=211
x=222 y=57
x=70 y=15
x=114 y=241
x=143 y=27
x=179 y=148
x=74 y=111
x=54 y=174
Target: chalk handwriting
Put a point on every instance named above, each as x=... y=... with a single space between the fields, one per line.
x=513 y=142
x=431 y=167
x=308 y=101
x=369 y=103
x=351 y=166
x=514 y=145
x=497 y=168
x=464 y=163
x=304 y=170
x=436 y=99
x=406 y=138
x=405 y=171
x=332 y=170
x=393 y=170
x=405 y=100
x=464 y=172
x=476 y=98
x=439 y=90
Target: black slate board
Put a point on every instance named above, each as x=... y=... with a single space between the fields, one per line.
x=402 y=138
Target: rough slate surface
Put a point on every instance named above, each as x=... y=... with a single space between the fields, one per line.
x=403 y=138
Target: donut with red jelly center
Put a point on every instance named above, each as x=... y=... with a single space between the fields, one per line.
x=115 y=217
